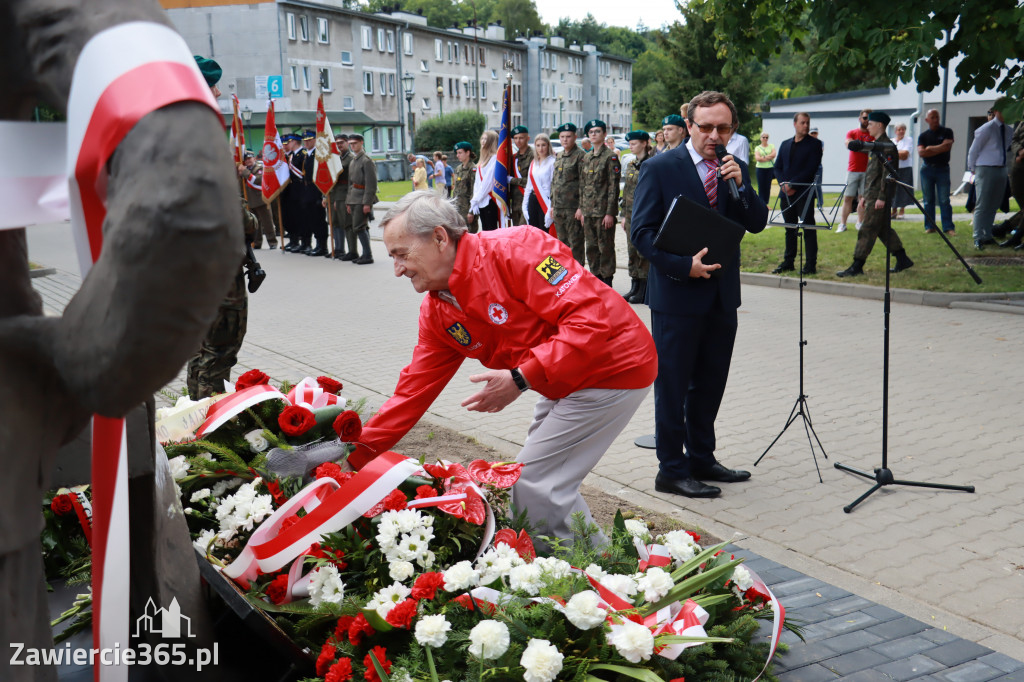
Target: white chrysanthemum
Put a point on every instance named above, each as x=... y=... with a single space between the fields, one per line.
x=680 y=545
x=203 y=541
x=529 y=578
x=637 y=528
x=257 y=441
x=221 y=487
x=461 y=576
x=489 y=639
x=584 y=610
x=400 y=675
x=622 y=585
x=386 y=599
x=553 y=568
x=179 y=467
x=411 y=548
x=432 y=630
x=741 y=576
x=595 y=572
x=325 y=585
x=541 y=661
x=427 y=559
x=401 y=570
x=493 y=566
x=200 y=495
x=655 y=584
x=633 y=641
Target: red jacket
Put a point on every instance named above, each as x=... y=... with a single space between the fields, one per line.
x=524 y=303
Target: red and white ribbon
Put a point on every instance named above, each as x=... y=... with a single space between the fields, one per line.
x=310 y=395
x=122 y=74
x=232 y=405
x=778 y=620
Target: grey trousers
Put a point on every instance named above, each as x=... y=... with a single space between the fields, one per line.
x=990 y=184
x=566 y=440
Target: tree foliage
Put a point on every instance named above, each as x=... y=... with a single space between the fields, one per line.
x=443 y=132
x=519 y=17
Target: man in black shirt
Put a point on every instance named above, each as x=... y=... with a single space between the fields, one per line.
x=795 y=168
x=933 y=147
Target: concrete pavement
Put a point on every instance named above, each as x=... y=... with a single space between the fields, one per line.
x=948 y=559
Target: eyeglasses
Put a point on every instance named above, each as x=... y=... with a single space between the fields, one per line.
x=863 y=118
x=706 y=128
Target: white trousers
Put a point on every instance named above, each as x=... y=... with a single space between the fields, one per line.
x=566 y=440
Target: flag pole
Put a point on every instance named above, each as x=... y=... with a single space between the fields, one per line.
x=509 y=65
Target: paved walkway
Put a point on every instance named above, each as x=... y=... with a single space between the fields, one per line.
x=952 y=561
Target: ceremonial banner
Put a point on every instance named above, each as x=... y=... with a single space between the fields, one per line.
x=237 y=132
x=499 y=190
x=327 y=163
x=275 y=167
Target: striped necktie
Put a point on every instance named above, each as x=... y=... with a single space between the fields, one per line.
x=711 y=181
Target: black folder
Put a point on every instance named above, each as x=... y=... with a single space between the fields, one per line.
x=689 y=227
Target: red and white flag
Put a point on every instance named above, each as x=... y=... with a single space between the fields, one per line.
x=327 y=163
x=237 y=132
x=275 y=167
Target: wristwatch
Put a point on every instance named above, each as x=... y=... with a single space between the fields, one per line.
x=517 y=377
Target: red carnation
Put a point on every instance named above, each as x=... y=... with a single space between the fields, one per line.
x=340 y=671
x=498 y=474
x=332 y=470
x=381 y=654
x=427 y=585
x=325 y=659
x=277 y=590
x=62 y=505
x=328 y=384
x=425 y=491
x=253 y=377
x=348 y=426
x=274 y=488
x=402 y=613
x=295 y=420
x=696 y=538
x=341 y=629
x=395 y=501
x=471 y=604
x=360 y=627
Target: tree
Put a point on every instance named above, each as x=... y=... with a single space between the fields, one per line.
x=910 y=41
x=443 y=132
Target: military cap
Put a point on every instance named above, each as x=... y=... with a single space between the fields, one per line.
x=249 y=154
x=463 y=145
x=210 y=69
x=879 y=117
x=355 y=137
x=673 y=120
x=595 y=123
x=566 y=128
x=641 y=135
x=308 y=134
x=520 y=129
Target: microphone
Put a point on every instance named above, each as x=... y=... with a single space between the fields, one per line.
x=882 y=147
x=734 y=191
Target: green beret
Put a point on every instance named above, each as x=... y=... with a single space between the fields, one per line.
x=520 y=129
x=641 y=135
x=673 y=120
x=595 y=123
x=210 y=69
x=463 y=145
x=566 y=128
x=879 y=117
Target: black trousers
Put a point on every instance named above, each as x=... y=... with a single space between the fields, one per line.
x=764 y=185
x=489 y=217
x=793 y=209
x=536 y=213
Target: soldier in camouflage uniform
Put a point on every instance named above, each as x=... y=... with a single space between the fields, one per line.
x=251 y=172
x=211 y=366
x=345 y=246
x=462 y=184
x=362 y=195
x=877 y=198
x=599 y=202
x=565 y=192
x=519 y=172
x=640 y=145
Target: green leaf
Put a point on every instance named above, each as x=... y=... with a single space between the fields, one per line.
x=642 y=674
x=380 y=670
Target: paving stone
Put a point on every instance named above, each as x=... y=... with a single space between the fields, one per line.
x=904 y=647
x=957 y=652
x=851 y=641
x=883 y=613
x=852 y=621
x=868 y=675
x=909 y=668
x=974 y=671
x=1001 y=662
x=861 y=659
x=810 y=673
x=798 y=586
x=899 y=627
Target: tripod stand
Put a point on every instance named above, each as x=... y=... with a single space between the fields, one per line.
x=800 y=407
x=882 y=475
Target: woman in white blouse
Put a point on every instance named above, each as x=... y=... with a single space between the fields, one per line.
x=483 y=204
x=537 y=195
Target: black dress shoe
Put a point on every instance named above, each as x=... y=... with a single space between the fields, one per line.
x=783 y=267
x=720 y=474
x=363 y=260
x=687 y=487
x=349 y=256
x=809 y=270
x=320 y=251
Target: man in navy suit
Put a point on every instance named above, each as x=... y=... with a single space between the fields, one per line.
x=693 y=304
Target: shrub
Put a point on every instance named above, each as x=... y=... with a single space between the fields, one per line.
x=442 y=132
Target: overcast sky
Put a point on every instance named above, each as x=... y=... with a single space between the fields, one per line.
x=653 y=13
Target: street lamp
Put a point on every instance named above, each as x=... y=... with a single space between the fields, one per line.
x=440 y=98
x=409 y=87
x=246 y=114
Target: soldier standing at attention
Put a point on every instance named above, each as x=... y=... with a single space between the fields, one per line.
x=313 y=199
x=340 y=219
x=251 y=172
x=462 y=183
x=565 y=192
x=362 y=195
x=289 y=197
x=518 y=173
x=878 y=195
x=599 y=202
x=640 y=145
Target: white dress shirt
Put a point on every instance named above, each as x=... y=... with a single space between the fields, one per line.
x=990 y=144
x=739 y=146
x=542 y=172
x=483 y=184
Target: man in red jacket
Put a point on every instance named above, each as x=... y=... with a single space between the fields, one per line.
x=519 y=303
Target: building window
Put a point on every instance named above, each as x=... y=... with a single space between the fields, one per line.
x=494 y=75
x=483 y=57
x=426 y=103
x=347 y=103
x=305 y=78
x=449 y=52
x=367 y=38
x=391 y=139
x=545 y=61
x=383 y=84
x=554 y=62
x=325 y=80
x=391 y=84
x=423 y=66
x=494 y=106
x=517 y=61
x=458 y=51
x=622 y=71
x=367 y=83
x=438 y=49
x=375 y=138
x=390 y=41
x=290 y=21
x=346 y=57
x=380 y=40
x=483 y=90
x=304 y=28
x=407 y=44
x=322 y=33
x=295 y=77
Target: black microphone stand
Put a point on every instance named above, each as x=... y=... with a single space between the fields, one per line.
x=882 y=475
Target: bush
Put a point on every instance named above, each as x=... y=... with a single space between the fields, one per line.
x=442 y=132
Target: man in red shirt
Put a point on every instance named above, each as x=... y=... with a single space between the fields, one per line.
x=856 y=167
x=519 y=303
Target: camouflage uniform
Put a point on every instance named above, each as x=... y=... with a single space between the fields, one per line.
x=599 y=196
x=462 y=191
x=211 y=366
x=517 y=185
x=638 y=265
x=565 y=199
x=254 y=198
x=877 y=223
x=362 y=191
x=341 y=221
